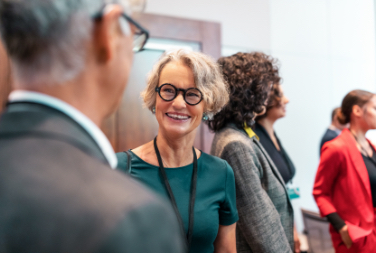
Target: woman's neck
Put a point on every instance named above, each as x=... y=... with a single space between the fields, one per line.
x=175 y=152
x=268 y=124
x=359 y=133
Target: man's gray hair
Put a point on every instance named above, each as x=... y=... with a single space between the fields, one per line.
x=46 y=39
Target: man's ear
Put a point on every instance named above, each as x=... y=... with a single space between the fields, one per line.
x=106 y=31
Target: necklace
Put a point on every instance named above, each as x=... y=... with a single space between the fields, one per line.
x=172 y=198
x=363 y=150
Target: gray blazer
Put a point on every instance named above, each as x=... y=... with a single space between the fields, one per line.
x=58 y=193
x=265 y=212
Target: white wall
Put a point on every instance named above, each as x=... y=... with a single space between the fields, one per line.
x=326 y=48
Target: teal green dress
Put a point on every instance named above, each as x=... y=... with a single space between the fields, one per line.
x=215 y=197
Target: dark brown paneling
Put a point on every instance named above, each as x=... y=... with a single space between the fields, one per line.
x=133 y=125
x=136 y=125
x=109 y=128
x=172 y=28
x=5 y=77
x=208 y=34
x=211 y=39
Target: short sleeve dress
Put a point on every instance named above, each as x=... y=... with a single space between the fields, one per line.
x=215 y=202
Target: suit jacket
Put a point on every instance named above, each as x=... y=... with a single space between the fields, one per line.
x=265 y=212
x=342 y=185
x=58 y=193
x=328 y=136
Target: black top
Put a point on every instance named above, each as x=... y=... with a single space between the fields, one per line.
x=280 y=158
x=370 y=163
x=328 y=136
x=336 y=221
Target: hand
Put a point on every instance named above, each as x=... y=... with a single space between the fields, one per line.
x=296 y=241
x=345 y=237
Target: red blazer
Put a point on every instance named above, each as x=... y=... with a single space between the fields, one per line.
x=342 y=185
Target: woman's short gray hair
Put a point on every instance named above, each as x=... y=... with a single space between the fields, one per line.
x=207 y=75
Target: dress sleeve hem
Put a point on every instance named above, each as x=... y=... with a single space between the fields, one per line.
x=226 y=221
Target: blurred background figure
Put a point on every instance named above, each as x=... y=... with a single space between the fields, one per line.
x=265 y=213
x=334 y=129
x=264 y=129
x=59 y=193
x=345 y=184
x=184 y=88
x=5 y=76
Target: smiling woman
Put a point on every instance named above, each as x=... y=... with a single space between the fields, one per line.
x=176 y=116
x=184 y=88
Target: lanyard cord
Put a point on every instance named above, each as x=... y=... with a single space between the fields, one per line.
x=172 y=198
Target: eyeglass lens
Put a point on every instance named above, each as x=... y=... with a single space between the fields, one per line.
x=139 y=41
x=192 y=95
x=140 y=37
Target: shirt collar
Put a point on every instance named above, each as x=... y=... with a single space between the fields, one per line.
x=76 y=115
x=338 y=131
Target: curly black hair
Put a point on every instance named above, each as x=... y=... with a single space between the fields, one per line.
x=249 y=76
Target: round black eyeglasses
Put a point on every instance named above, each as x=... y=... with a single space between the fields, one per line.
x=169 y=92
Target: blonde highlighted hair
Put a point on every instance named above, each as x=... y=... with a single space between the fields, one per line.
x=207 y=75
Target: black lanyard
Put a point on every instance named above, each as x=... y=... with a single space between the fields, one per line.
x=171 y=195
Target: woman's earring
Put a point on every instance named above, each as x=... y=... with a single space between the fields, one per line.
x=205 y=117
x=153 y=110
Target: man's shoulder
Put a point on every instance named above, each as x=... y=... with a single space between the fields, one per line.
x=152 y=227
x=60 y=162
x=330 y=134
x=63 y=186
x=25 y=123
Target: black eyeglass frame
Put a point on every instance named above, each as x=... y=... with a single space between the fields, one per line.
x=99 y=15
x=158 y=90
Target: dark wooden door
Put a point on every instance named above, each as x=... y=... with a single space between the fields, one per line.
x=5 y=77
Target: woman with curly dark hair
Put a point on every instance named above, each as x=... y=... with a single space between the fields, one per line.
x=265 y=212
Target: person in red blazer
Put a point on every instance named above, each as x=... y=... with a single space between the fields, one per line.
x=345 y=184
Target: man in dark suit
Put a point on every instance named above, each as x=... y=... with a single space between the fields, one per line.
x=58 y=190
x=334 y=129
